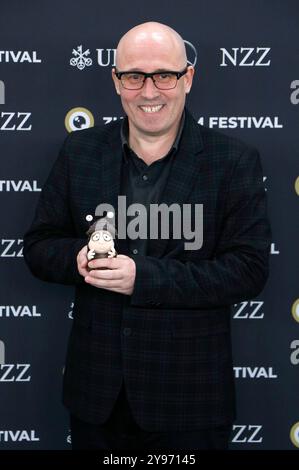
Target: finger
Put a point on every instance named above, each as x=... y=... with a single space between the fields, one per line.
x=110 y=263
x=107 y=274
x=103 y=283
x=83 y=251
x=119 y=290
x=83 y=263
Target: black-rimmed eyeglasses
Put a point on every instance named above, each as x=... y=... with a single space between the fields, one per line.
x=165 y=80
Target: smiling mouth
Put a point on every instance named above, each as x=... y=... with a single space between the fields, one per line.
x=151 y=109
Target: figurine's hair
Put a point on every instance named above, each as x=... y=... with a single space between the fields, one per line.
x=102 y=224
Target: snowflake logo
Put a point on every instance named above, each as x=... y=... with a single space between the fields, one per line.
x=81 y=60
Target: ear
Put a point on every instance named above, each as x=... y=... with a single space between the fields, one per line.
x=116 y=82
x=188 y=78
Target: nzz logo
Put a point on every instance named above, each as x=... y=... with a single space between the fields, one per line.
x=249 y=310
x=245 y=57
x=11 y=121
x=12 y=372
x=247 y=433
x=11 y=248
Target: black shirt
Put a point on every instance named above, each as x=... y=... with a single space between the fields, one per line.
x=143 y=184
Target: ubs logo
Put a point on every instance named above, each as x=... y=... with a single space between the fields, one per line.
x=107 y=57
x=80 y=59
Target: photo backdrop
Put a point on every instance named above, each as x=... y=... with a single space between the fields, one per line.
x=55 y=77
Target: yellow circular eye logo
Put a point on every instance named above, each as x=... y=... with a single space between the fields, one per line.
x=294 y=434
x=78 y=119
x=297 y=185
x=295 y=310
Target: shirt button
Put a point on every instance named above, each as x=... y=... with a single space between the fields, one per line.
x=135 y=251
x=144 y=177
x=127 y=331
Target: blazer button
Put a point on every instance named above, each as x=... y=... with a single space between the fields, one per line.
x=127 y=331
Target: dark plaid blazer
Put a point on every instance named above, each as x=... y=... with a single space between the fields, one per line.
x=170 y=340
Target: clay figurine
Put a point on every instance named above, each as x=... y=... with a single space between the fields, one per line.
x=101 y=239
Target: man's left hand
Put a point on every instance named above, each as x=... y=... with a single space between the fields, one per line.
x=119 y=277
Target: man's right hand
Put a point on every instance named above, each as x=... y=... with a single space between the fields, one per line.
x=82 y=261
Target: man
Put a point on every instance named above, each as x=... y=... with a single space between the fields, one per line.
x=149 y=361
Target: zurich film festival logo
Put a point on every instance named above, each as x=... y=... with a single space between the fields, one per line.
x=295 y=310
x=78 y=119
x=19 y=311
x=19 y=186
x=18 y=435
x=19 y=57
x=294 y=434
x=248 y=372
x=241 y=122
x=107 y=57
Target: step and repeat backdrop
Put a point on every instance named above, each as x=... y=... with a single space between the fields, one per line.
x=55 y=77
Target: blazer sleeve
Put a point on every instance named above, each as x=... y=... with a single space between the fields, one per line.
x=50 y=244
x=239 y=268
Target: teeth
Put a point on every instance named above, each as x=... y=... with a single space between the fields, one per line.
x=151 y=109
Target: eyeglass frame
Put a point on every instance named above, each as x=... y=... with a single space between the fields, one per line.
x=178 y=75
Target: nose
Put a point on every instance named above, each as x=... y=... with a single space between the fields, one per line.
x=149 y=90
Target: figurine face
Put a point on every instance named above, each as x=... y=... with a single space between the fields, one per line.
x=101 y=241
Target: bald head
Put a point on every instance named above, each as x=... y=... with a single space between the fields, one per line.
x=154 y=111
x=151 y=38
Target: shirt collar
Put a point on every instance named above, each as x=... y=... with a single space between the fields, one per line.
x=124 y=135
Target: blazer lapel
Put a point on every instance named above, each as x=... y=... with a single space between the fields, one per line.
x=111 y=181
x=183 y=175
